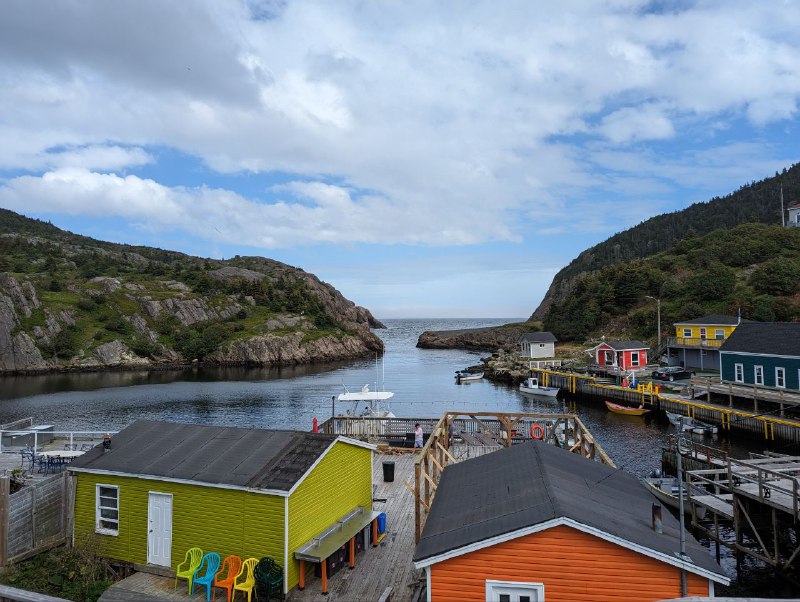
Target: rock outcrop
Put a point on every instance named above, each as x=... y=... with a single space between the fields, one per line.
x=73 y=303
x=492 y=338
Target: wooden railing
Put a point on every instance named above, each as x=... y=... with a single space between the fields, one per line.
x=696 y=342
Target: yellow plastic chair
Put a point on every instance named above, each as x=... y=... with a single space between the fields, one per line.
x=189 y=566
x=249 y=583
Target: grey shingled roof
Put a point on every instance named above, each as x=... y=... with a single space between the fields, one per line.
x=218 y=455
x=538 y=337
x=771 y=338
x=532 y=483
x=625 y=345
x=716 y=320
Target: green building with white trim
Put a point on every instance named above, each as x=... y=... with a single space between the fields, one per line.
x=764 y=354
x=162 y=488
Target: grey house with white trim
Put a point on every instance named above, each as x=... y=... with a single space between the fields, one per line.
x=537 y=345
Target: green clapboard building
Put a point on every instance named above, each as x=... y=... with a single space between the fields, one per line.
x=162 y=488
x=764 y=354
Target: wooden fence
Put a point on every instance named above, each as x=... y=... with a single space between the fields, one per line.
x=35 y=518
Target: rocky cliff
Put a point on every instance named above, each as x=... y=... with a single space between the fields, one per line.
x=72 y=303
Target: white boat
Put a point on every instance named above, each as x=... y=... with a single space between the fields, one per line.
x=531 y=385
x=692 y=424
x=463 y=376
x=375 y=403
x=666 y=490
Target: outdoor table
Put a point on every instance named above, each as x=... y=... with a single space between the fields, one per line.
x=72 y=454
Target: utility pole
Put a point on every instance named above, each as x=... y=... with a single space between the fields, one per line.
x=783 y=222
x=658 y=310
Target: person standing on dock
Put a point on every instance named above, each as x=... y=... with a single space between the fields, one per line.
x=418 y=437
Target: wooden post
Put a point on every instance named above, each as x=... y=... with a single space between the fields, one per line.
x=324 y=578
x=427 y=485
x=69 y=507
x=375 y=530
x=730 y=395
x=5 y=489
x=417 y=510
x=302 y=583
x=352 y=553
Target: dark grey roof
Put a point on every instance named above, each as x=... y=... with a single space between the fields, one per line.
x=538 y=337
x=218 y=455
x=532 y=483
x=771 y=338
x=625 y=345
x=716 y=320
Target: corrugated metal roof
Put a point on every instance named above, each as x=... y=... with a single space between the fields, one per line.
x=770 y=338
x=532 y=483
x=217 y=455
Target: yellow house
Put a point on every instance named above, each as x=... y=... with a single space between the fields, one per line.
x=162 y=488
x=697 y=341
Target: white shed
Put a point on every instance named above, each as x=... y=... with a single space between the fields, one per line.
x=537 y=345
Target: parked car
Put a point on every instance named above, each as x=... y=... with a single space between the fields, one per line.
x=672 y=373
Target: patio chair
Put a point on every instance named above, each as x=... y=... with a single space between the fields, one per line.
x=231 y=568
x=27 y=455
x=249 y=582
x=269 y=578
x=187 y=568
x=211 y=563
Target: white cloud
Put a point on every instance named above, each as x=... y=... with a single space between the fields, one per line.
x=454 y=122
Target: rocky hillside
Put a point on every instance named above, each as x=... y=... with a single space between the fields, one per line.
x=754 y=202
x=69 y=302
x=481 y=339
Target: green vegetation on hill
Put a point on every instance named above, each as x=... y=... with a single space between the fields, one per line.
x=159 y=304
x=753 y=266
x=757 y=202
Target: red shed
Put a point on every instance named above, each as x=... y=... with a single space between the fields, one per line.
x=625 y=355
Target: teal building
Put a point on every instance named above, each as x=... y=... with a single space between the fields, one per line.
x=764 y=354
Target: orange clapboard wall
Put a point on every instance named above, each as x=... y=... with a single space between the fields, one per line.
x=572 y=565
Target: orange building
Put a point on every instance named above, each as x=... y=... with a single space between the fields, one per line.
x=536 y=523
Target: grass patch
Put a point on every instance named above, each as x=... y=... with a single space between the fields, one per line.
x=75 y=573
x=59 y=297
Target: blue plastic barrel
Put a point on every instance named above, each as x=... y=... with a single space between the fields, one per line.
x=381 y=523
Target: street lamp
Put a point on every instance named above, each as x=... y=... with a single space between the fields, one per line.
x=658 y=309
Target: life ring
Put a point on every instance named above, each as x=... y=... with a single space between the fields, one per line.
x=537 y=432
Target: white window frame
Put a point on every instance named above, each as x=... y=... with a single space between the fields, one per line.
x=703 y=332
x=738 y=373
x=635 y=358
x=98 y=508
x=687 y=333
x=758 y=371
x=522 y=588
x=782 y=371
x=719 y=334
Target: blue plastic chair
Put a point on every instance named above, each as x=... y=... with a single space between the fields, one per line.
x=211 y=563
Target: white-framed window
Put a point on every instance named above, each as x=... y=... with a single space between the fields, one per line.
x=703 y=332
x=634 y=358
x=687 y=333
x=738 y=373
x=780 y=377
x=719 y=334
x=758 y=375
x=541 y=344
x=514 y=591
x=107 y=509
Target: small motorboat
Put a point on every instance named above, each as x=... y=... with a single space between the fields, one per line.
x=626 y=410
x=666 y=490
x=376 y=402
x=692 y=424
x=531 y=385
x=462 y=376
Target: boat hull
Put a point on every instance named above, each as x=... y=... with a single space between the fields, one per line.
x=625 y=410
x=658 y=487
x=542 y=391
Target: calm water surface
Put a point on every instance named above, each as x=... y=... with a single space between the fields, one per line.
x=422 y=381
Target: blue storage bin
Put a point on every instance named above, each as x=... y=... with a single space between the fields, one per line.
x=381 y=523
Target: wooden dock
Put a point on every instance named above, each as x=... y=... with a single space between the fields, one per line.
x=760 y=497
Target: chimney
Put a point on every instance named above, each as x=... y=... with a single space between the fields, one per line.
x=657 y=524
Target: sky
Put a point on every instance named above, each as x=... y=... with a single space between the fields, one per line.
x=428 y=159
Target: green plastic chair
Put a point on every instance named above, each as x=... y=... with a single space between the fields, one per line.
x=187 y=568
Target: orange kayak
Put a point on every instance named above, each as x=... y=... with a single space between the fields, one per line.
x=628 y=411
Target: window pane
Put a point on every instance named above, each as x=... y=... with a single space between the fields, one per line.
x=110 y=514
x=104 y=524
x=505 y=598
x=524 y=599
x=108 y=492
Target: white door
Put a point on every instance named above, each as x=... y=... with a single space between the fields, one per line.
x=159 y=529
